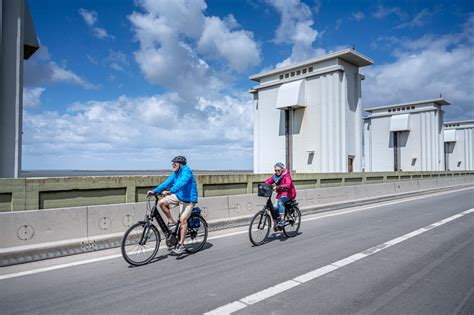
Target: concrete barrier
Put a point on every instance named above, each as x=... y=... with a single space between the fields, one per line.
x=401 y=187
x=214 y=208
x=59 y=192
x=34 y=235
x=374 y=190
x=328 y=195
x=34 y=227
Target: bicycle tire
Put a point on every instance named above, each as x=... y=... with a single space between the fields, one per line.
x=131 y=249
x=257 y=234
x=293 y=223
x=191 y=245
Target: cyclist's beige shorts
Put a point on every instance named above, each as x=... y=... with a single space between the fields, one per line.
x=185 y=208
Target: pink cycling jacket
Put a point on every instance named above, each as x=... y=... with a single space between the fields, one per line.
x=285 y=185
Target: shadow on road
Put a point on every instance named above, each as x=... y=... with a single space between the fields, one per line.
x=169 y=254
x=206 y=246
x=277 y=236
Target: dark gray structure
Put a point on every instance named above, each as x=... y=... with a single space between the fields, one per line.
x=18 y=42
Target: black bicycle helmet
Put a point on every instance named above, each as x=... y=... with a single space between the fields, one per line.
x=179 y=159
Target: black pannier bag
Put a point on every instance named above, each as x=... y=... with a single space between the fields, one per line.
x=264 y=190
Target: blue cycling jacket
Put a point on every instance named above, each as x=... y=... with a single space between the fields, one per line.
x=181 y=183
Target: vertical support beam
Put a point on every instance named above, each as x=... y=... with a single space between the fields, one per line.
x=289 y=113
x=11 y=83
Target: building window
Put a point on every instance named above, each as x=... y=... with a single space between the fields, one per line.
x=389 y=110
x=281 y=76
x=413 y=107
x=292 y=73
x=298 y=72
x=287 y=75
x=398 y=109
x=310 y=69
x=304 y=70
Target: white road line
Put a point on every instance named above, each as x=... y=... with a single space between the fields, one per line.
x=284 y=286
x=93 y=260
x=228 y=308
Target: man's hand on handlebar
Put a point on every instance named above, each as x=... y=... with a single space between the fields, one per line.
x=150 y=193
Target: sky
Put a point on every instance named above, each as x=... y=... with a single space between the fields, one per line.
x=130 y=84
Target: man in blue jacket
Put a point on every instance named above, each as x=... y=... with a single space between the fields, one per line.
x=180 y=189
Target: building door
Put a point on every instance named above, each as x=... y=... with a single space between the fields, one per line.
x=446 y=156
x=350 y=163
x=396 y=151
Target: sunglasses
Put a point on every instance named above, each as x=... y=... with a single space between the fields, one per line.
x=278 y=171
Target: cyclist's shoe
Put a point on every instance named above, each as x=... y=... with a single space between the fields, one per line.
x=179 y=250
x=281 y=223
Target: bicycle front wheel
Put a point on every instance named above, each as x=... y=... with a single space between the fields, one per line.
x=293 y=222
x=196 y=238
x=140 y=243
x=259 y=228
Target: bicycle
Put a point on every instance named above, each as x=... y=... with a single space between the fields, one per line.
x=141 y=241
x=261 y=223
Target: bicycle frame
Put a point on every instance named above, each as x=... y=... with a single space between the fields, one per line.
x=155 y=213
x=269 y=207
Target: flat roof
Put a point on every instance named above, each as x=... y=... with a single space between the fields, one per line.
x=459 y=122
x=438 y=101
x=350 y=55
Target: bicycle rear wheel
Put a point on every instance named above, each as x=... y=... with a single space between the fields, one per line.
x=259 y=228
x=140 y=244
x=196 y=239
x=293 y=222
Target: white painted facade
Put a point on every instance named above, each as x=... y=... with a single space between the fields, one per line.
x=458 y=139
x=17 y=42
x=308 y=115
x=405 y=137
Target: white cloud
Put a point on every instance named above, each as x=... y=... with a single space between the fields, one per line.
x=91 y=18
x=101 y=33
x=295 y=28
x=358 y=16
x=40 y=69
x=424 y=68
x=117 y=60
x=143 y=132
x=177 y=42
x=382 y=12
x=32 y=96
x=60 y=74
x=237 y=47
x=418 y=20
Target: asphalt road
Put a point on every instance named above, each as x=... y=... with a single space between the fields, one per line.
x=431 y=272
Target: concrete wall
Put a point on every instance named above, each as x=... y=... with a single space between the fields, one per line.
x=47 y=193
x=29 y=230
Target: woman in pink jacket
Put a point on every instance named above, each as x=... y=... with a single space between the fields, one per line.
x=284 y=188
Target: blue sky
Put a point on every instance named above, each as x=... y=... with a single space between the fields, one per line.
x=129 y=84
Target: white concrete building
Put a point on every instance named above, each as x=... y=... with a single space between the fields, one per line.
x=459 y=145
x=405 y=137
x=17 y=42
x=309 y=115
